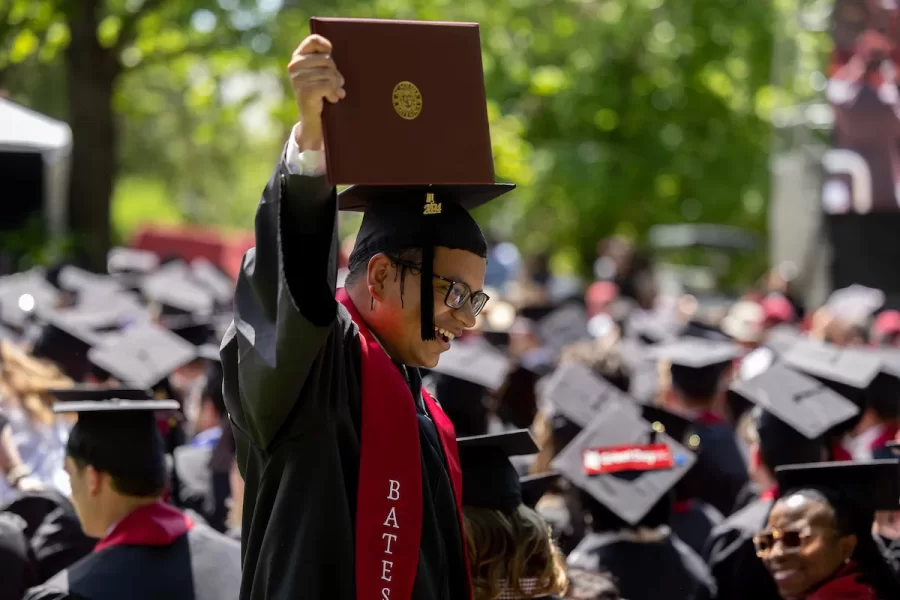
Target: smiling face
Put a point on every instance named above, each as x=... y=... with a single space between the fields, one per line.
x=396 y=318
x=801 y=546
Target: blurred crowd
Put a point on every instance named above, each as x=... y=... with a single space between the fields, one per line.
x=770 y=426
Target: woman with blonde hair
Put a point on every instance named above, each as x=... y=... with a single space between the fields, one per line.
x=38 y=434
x=511 y=553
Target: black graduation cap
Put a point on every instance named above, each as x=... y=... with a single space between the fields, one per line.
x=22 y=294
x=782 y=338
x=65 y=341
x=117 y=435
x=535 y=486
x=173 y=289
x=804 y=403
x=564 y=326
x=489 y=478
x=697 y=353
x=845 y=366
x=80 y=281
x=131 y=260
x=580 y=395
x=474 y=361
x=198 y=330
x=143 y=356
x=651 y=327
x=870 y=485
x=535 y=313
x=623 y=463
x=401 y=217
x=214 y=280
x=674 y=425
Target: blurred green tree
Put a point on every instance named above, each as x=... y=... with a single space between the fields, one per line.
x=611 y=115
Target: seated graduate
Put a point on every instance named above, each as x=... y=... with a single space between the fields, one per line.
x=692 y=519
x=328 y=390
x=792 y=418
x=147 y=549
x=818 y=542
x=511 y=552
x=627 y=472
x=699 y=368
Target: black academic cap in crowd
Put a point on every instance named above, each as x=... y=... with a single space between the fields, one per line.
x=579 y=395
x=535 y=486
x=143 y=356
x=74 y=279
x=846 y=366
x=536 y=313
x=198 y=330
x=804 y=403
x=22 y=294
x=623 y=463
x=697 y=353
x=564 y=326
x=131 y=260
x=489 y=478
x=651 y=327
x=474 y=361
x=116 y=435
x=870 y=485
x=214 y=280
x=672 y=424
x=782 y=338
x=173 y=289
x=65 y=341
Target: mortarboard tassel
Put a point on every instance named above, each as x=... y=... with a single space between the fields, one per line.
x=427 y=299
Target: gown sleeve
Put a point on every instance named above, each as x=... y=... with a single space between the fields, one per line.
x=284 y=305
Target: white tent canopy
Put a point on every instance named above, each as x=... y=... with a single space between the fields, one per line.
x=24 y=130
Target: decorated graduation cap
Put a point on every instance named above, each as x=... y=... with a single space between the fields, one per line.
x=869 y=485
x=116 y=432
x=489 y=478
x=143 y=356
x=624 y=463
x=413 y=145
x=806 y=404
x=579 y=395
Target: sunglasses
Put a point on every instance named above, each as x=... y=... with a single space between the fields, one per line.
x=791 y=539
x=458 y=292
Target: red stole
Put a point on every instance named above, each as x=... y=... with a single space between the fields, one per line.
x=389 y=498
x=888 y=435
x=708 y=417
x=769 y=494
x=844 y=586
x=155 y=524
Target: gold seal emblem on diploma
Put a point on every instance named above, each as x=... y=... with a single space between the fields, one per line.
x=407 y=100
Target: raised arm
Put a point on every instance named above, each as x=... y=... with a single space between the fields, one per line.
x=284 y=300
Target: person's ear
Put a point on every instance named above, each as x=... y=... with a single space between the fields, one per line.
x=847 y=545
x=377 y=273
x=93 y=480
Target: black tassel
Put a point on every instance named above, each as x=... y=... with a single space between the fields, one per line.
x=427 y=298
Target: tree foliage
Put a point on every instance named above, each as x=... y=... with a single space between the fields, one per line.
x=611 y=115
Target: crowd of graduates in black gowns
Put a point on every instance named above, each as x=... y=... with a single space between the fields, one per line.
x=613 y=445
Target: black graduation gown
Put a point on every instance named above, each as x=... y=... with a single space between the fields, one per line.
x=646 y=570
x=17 y=570
x=693 y=522
x=200 y=565
x=723 y=462
x=292 y=385
x=739 y=573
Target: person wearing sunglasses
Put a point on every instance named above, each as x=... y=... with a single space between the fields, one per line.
x=818 y=542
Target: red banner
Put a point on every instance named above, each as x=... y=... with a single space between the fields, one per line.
x=648 y=457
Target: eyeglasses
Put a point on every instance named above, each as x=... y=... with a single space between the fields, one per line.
x=791 y=539
x=458 y=292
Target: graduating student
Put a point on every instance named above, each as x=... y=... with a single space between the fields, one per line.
x=351 y=470
x=698 y=368
x=792 y=416
x=627 y=472
x=147 y=549
x=511 y=553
